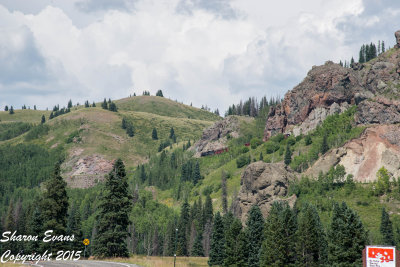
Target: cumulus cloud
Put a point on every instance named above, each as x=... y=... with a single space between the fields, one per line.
x=212 y=52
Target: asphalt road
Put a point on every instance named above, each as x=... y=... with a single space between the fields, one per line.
x=82 y=263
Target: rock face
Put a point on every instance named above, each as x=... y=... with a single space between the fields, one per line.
x=85 y=171
x=323 y=86
x=262 y=184
x=379 y=111
x=362 y=157
x=215 y=137
x=397 y=35
x=372 y=85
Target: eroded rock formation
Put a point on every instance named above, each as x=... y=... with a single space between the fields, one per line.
x=262 y=184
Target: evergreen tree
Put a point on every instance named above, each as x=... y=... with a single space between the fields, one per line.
x=113 y=107
x=197 y=249
x=171 y=133
x=217 y=248
x=196 y=173
x=143 y=176
x=255 y=228
x=224 y=192
x=54 y=207
x=130 y=130
x=87 y=104
x=383 y=47
x=6 y=108
x=261 y=156
x=51 y=115
x=183 y=229
x=154 y=135
x=208 y=210
x=235 y=245
x=43 y=119
x=288 y=155
x=69 y=104
x=159 y=93
x=113 y=219
x=351 y=62
x=311 y=245
x=346 y=237
x=11 y=111
x=35 y=228
x=278 y=247
x=94 y=104
x=386 y=229
x=308 y=140
x=104 y=105
x=74 y=227
x=362 y=55
x=124 y=123
x=10 y=225
x=324 y=145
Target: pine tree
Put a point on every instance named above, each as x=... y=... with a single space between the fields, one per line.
x=208 y=210
x=278 y=247
x=311 y=245
x=51 y=115
x=255 y=228
x=196 y=173
x=87 y=104
x=386 y=229
x=124 y=123
x=43 y=119
x=74 y=227
x=362 y=55
x=94 y=104
x=224 y=192
x=35 y=228
x=183 y=229
x=10 y=225
x=351 y=62
x=346 y=237
x=154 y=135
x=104 y=105
x=112 y=107
x=54 y=207
x=130 y=130
x=11 y=111
x=235 y=245
x=197 y=249
x=159 y=93
x=69 y=104
x=324 y=145
x=113 y=219
x=383 y=47
x=261 y=156
x=143 y=176
x=288 y=155
x=217 y=248
x=171 y=133
x=6 y=108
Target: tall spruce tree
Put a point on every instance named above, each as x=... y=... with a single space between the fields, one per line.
x=224 y=192
x=311 y=245
x=54 y=207
x=104 y=105
x=11 y=111
x=196 y=173
x=288 y=155
x=197 y=249
x=217 y=248
x=235 y=245
x=113 y=219
x=386 y=229
x=278 y=247
x=324 y=144
x=208 y=210
x=154 y=134
x=35 y=228
x=183 y=230
x=255 y=229
x=346 y=237
x=74 y=227
x=43 y=119
x=10 y=225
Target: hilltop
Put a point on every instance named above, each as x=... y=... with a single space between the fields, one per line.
x=93 y=137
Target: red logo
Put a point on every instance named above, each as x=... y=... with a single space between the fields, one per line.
x=383 y=254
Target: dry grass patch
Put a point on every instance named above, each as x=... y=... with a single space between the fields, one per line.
x=166 y=261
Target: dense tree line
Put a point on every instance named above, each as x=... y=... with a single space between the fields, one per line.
x=252 y=107
x=110 y=105
x=13 y=129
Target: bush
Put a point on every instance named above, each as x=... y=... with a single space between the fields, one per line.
x=277 y=138
x=72 y=136
x=271 y=147
x=255 y=142
x=242 y=161
x=37 y=131
x=308 y=140
x=245 y=149
x=291 y=141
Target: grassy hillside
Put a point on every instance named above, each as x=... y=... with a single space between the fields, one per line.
x=164 y=107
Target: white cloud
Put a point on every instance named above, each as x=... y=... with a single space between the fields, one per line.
x=197 y=51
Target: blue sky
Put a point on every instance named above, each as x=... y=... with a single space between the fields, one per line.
x=208 y=52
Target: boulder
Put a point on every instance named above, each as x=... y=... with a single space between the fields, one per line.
x=397 y=35
x=262 y=184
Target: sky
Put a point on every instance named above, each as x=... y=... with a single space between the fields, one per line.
x=205 y=52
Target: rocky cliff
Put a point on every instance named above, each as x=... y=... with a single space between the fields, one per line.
x=374 y=86
x=262 y=184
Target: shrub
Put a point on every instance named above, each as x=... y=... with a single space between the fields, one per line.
x=242 y=161
x=271 y=147
x=37 y=131
x=245 y=149
x=255 y=142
